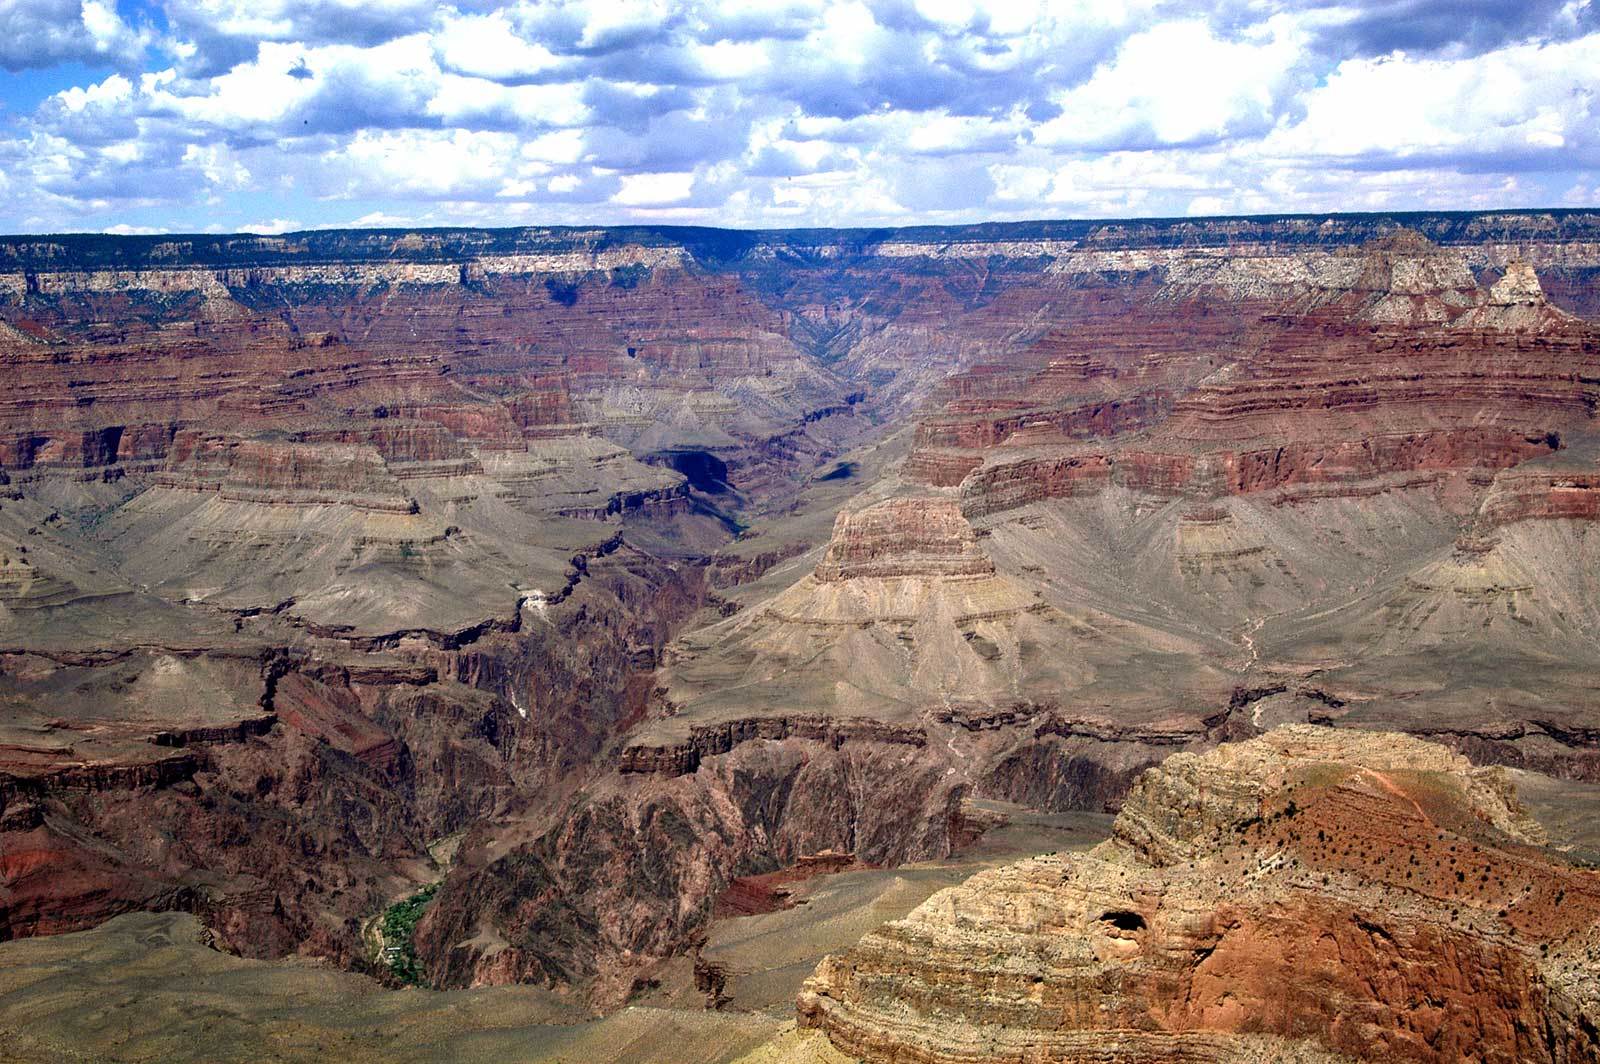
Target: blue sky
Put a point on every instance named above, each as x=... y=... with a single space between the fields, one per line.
x=194 y=115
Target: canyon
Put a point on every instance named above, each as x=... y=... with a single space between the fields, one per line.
x=620 y=585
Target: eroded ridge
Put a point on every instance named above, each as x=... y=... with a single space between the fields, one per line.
x=1304 y=895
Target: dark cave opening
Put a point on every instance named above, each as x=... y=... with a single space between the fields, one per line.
x=1123 y=920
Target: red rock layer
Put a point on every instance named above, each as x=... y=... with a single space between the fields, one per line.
x=1543 y=494
x=903 y=537
x=1370 y=895
x=769 y=892
x=1372 y=382
x=283 y=472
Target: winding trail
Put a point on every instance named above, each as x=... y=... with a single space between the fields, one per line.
x=1248 y=637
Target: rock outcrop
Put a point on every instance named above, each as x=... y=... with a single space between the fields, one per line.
x=1308 y=895
x=630 y=876
x=903 y=538
x=1406 y=364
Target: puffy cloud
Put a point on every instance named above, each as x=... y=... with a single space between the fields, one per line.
x=216 y=34
x=651 y=190
x=109 y=92
x=787 y=111
x=488 y=46
x=419 y=164
x=1522 y=103
x=620 y=23
x=477 y=102
x=963 y=135
x=42 y=33
x=1179 y=83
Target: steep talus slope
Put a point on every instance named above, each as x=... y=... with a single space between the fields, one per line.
x=906 y=622
x=1307 y=895
x=903 y=611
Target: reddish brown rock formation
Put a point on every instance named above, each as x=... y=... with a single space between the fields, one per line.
x=1407 y=365
x=333 y=471
x=283 y=796
x=1561 y=487
x=903 y=537
x=1306 y=892
x=630 y=877
x=710 y=740
x=770 y=891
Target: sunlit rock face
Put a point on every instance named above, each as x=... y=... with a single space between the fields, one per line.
x=903 y=537
x=1307 y=895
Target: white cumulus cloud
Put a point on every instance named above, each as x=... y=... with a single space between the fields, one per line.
x=787 y=112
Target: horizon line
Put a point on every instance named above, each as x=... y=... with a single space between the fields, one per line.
x=1168 y=219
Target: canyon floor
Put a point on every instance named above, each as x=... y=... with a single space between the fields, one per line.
x=150 y=986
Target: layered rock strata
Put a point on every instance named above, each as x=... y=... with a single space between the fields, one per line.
x=1406 y=365
x=902 y=612
x=1302 y=895
x=342 y=541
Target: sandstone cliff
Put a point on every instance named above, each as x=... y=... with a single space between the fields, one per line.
x=1298 y=896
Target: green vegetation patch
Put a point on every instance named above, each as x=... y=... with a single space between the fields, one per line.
x=399 y=924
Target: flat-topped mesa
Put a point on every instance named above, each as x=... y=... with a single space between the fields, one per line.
x=1310 y=895
x=903 y=537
